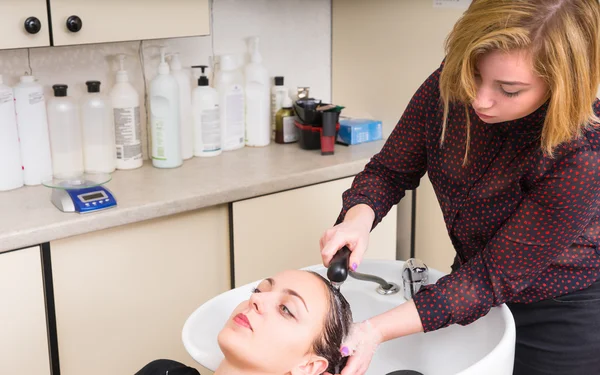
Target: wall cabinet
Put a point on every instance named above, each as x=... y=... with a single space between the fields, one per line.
x=70 y=22
x=282 y=231
x=122 y=295
x=23 y=334
x=24 y=24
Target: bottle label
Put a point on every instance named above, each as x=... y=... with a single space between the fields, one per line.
x=211 y=133
x=128 y=133
x=290 y=133
x=6 y=97
x=234 y=117
x=158 y=141
x=36 y=97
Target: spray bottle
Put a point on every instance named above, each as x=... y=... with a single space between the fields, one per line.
x=165 y=118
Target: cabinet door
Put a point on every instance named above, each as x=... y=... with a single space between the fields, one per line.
x=122 y=295
x=23 y=334
x=282 y=231
x=13 y=14
x=119 y=20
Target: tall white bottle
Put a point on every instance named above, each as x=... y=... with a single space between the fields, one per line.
x=207 y=129
x=258 y=99
x=230 y=86
x=125 y=102
x=185 y=106
x=65 y=135
x=11 y=172
x=97 y=121
x=165 y=118
x=32 y=121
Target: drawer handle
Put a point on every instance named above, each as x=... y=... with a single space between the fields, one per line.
x=33 y=25
x=74 y=24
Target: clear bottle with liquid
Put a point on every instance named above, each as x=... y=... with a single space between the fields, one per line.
x=99 y=149
x=65 y=135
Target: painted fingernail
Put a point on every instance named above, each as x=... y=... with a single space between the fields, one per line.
x=345 y=351
x=354 y=266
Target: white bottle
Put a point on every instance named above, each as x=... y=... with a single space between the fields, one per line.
x=65 y=135
x=230 y=86
x=207 y=129
x=32 y=121
x=97 y=119
x=125 y=102
x=11 y=172
x=258 y=99
x=278 y=94
x=184 y=80
x=165 y=119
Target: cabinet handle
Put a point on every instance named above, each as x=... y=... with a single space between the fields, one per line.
x=33 y=25
x=74 y=24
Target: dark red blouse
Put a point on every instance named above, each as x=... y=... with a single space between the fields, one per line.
x=525 y=227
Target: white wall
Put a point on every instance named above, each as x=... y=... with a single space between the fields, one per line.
x=284 y=26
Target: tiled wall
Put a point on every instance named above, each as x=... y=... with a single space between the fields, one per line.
x=295 y=42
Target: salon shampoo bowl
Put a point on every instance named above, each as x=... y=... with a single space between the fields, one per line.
x=486 y=346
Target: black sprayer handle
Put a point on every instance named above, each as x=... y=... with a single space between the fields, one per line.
x=338 y=267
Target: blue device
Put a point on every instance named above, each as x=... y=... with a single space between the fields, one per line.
x=83 y=200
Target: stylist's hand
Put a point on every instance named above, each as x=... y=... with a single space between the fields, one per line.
x=353 y=232
x=361 y=343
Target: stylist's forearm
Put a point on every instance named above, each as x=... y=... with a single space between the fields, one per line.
x=401 y=321
x=361 y=213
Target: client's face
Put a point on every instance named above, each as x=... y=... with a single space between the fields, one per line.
x=275 y=329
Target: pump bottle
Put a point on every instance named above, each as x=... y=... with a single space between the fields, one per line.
x=207 y=129
x=165 y=118
x=11 y=173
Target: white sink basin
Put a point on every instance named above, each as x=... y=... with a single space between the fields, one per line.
x=484 y=347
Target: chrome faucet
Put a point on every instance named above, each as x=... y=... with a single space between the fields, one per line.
x=414 y=275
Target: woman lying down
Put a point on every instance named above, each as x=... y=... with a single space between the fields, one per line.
x=294 y=323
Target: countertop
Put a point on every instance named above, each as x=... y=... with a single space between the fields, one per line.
x=29 y=218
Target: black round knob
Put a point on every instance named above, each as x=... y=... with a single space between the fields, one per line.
x=74 y=24
x=33 y=25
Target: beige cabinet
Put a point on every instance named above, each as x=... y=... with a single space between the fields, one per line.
x=23 y=23
x=23 y=334
x=93 y=21
x=282 y=231
x=122 y=295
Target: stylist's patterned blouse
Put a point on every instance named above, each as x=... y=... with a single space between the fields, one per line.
x=525 y=227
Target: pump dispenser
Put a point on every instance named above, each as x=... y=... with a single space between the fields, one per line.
x=258 y=99
x=184 y=80
x=165 y=118
x=207 y=128
x=125 y=102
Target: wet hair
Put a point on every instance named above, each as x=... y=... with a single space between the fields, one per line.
x=335 y=329
x=563 y=37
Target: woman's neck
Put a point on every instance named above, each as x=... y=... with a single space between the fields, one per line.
x=228 y=368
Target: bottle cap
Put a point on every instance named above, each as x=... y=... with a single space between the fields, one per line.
x=278 y=81
x=60 y=90
x=122 y=75
x=228 y=62
x=203 y=80
x=27 y=79
x=93 y=86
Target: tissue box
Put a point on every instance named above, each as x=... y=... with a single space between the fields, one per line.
x=356 y=130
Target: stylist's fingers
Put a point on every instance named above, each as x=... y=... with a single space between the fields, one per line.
x=336 y=242
x=358 y=252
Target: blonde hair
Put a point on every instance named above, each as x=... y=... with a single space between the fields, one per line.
x=563 y=39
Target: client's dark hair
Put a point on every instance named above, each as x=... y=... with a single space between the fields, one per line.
x=337 y=326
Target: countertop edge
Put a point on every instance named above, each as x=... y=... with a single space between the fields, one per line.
x=111 y=219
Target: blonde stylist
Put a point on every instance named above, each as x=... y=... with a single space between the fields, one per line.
x=507 y=131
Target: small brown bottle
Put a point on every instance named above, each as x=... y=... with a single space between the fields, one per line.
x=285 y=130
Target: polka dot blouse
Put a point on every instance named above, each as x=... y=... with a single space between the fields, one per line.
x=525 y=227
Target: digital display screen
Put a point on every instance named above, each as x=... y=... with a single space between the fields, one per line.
x=91 y=197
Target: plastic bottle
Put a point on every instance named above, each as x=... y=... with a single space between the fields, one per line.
x=207 y=129
x=65 y=135
x=286 y=131
x=125 y=102
x=185 y=108
x=99 y=149
x=258 y=99
x=165 y=118
x=32 y=122
x=230 y=86
x=11 y=172
x=278 y=94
